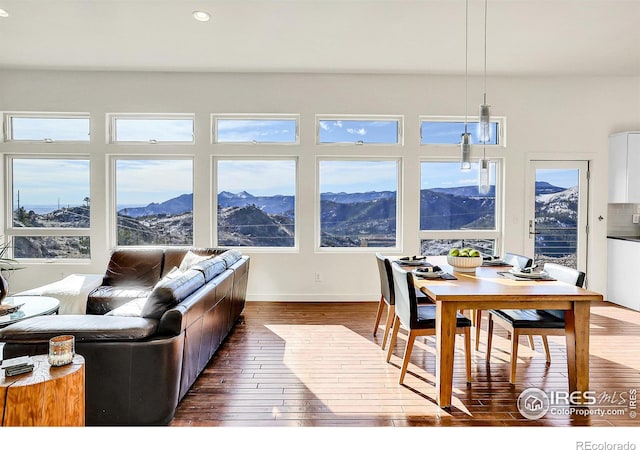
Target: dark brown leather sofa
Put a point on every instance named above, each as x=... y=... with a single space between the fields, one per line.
x=149 y=332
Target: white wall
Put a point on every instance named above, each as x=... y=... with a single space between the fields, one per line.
x=556 y=118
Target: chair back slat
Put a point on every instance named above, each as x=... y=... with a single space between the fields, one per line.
x=386 y=279
x=405 y=295
x=518 y=261
x=566 y=275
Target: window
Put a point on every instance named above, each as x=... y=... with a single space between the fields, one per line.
x=359 y=130
x=252 y=129
x=151 y=129
x=358 y=203
x=154 y=201
x=256 y=202
x=445 y=131
x=47 y=127
x=50 y=207
x=453 y=212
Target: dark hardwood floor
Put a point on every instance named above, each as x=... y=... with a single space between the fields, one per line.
x=319 y=365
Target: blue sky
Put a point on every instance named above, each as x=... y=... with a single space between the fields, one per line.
x=140 y=182
x=262 y=130
x=257 y=177
x=50 y=181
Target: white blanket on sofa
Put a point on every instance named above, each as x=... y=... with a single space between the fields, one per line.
x=72 y=292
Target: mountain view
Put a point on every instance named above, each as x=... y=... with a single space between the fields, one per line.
x=346 y=219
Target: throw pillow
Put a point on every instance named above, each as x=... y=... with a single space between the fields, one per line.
x=130 y=309
x=190 y=259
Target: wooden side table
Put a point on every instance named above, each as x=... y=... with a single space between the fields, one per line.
x=48 y=396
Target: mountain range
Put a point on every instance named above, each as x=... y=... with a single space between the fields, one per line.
x=347 y=219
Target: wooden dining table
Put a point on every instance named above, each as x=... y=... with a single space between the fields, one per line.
x=487 y=289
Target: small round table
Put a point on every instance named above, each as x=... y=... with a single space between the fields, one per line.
x=48 y=396
x=32 y=305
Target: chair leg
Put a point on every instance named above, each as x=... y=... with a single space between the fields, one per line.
x=515 y=337
x=394 y=336
x=378 y=315
x=478 y=321
x=489 y=337
x=467 y=351
x=391 y=313
x=545 y=343
x=532 y=345
x=407 y=355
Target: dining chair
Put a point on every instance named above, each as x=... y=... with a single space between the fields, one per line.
x=387 y=297
x=418 y=320
x=532 y=322
x=517 y=261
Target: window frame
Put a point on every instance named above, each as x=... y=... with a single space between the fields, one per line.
x=318 y=248
x=7 y=126
x=399 y=119
x=12 y=231
x=214 y=201
x=112 y=234
x=112 y=131
x=215 y=117
x=502 y=129
x=496 y=234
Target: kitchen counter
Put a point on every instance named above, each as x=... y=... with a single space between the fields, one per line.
x=625 y=238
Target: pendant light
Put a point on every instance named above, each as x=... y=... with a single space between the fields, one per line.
x=484 y=125
x=465 y=145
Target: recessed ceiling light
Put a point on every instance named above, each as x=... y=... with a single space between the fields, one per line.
x=3 y=13
x=201 y=16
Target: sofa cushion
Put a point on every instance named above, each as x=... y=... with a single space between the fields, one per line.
x=171 y=290
x=230 y=257
x=106 y=298
x=211 y=267
x=134 y=267
x=84 y=328
x=190 y=259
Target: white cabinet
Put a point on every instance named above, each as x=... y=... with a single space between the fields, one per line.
x=624 y=167
x=623 y=271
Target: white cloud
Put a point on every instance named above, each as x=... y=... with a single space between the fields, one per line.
x=358 y=131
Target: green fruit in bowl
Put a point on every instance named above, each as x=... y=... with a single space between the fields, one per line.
x=454 y=252
x=474 y=253
x=464 y=254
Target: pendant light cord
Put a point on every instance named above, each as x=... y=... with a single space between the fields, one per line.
x=466 y=62
x=484 y=141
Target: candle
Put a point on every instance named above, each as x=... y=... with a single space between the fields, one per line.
x=61 y=350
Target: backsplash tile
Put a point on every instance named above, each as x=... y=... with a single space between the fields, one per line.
x=619 y=219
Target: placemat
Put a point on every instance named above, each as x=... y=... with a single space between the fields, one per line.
x=511 y=276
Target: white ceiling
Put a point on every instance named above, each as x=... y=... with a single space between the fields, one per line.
x=525 y=37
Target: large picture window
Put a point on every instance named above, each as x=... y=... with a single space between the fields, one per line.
x=358 y=202
x=50 y=214
x=256 y=202
x=452 y=210
x=154 y=201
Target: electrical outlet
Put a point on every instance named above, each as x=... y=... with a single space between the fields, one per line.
x=636 y=218
x=318 y=277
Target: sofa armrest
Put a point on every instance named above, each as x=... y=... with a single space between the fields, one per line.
x=84 y=328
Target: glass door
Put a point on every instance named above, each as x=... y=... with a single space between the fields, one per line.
x=557 y=213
